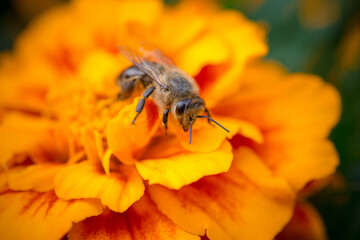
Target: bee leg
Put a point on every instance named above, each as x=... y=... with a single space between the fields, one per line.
x=140 y=106
x=208 y=113
x=165 y=119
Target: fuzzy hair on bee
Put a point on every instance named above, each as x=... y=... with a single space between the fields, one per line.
x=173 y=90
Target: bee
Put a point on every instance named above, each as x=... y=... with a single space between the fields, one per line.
x=171 y=88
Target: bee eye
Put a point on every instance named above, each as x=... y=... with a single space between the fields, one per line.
x=181 y=106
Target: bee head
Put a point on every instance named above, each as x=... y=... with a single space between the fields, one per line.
x=187 y=110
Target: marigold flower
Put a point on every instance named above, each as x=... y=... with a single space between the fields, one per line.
x=72 y=164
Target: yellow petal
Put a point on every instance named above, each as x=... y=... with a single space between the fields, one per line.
x=176 y=171
x=32 y=215
x=295 y=115
x=89 y=143
x=207 y=39
x=207 y=138
x=141 y=221
x=246 y=41
x=106 y=161
x=37 y=177
x=306 y=224
x=248 y=202
x=118 y=191
x=126 y=139
x=209 y=49
x=99 y=71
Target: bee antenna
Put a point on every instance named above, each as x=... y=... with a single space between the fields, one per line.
x=213 y=122
x=190 y=130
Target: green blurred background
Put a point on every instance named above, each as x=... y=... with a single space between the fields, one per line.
x=314 y=36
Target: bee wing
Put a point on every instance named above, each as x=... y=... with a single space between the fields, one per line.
x=157 y=55
x=144 y=63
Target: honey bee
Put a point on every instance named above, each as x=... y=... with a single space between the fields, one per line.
x=171 y=88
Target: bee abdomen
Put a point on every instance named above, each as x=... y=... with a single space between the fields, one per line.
x=128 y=79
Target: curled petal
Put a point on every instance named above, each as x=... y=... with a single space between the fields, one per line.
x=32 y=215
x=37 y=177
x=141 y=221
x=232 y=205
x=126 y=139
x=184 y=168
x=85 y=180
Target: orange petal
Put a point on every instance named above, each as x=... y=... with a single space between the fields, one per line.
x=248 y=202
x=207 y=138
x=119 y=12
x=85 y=180
x=32 y=215
x=141 y=221
x=189 y=28
x=306 y=224
x=25 y=89
x=3 y=180
x=126 y=139
x=21 y=133
x=38 y=177
x=316 y=159
x=295 y=115
x=176 y=171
